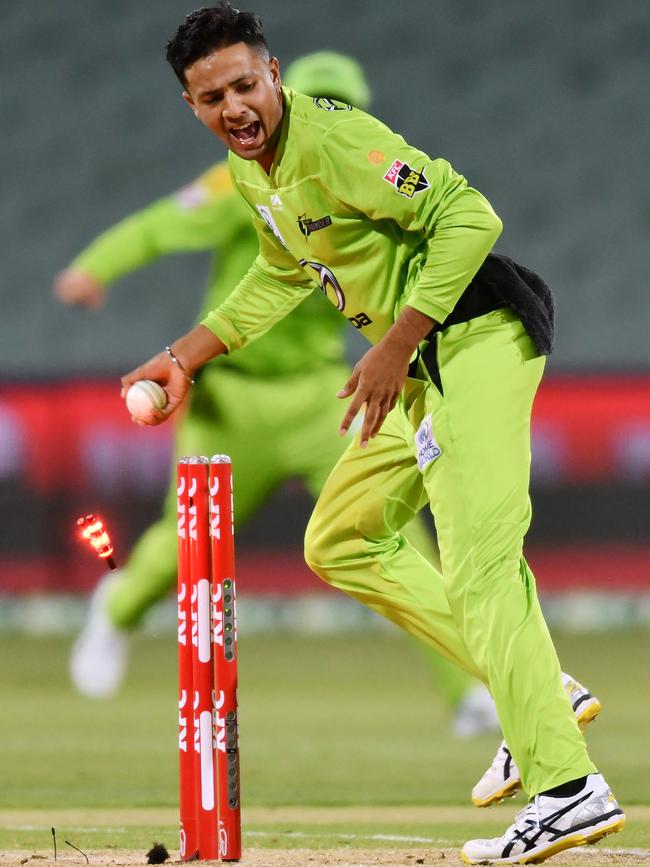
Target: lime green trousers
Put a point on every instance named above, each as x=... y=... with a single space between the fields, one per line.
x=465 y=450
x=274 y=429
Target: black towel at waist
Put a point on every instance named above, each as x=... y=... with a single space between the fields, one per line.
x=499 y=282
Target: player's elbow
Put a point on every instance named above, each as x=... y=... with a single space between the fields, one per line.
x=496 y=225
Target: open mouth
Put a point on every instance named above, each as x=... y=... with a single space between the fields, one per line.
x=246 y=135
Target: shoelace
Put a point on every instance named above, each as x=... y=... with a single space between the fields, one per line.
x=522 y=815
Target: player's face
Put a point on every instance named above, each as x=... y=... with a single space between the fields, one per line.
x=235 y=92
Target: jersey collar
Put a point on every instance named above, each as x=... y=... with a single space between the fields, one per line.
x=287 y=95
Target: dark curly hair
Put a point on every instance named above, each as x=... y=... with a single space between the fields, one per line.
x=209 y=28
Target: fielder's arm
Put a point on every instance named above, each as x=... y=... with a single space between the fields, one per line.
x=197 y=217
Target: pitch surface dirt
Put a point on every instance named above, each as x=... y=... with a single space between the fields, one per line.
x=401 y=855
x=592 y=857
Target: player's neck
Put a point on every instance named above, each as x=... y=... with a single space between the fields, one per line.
x=267 y=159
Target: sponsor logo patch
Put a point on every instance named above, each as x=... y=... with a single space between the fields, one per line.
x=376 y=157
x=407 y=181
x=328 y=283
x=307 y=225
x=268 y=218
x=425 y=443
x=360 y=320
x=331 y=104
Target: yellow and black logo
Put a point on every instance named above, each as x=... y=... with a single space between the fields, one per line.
x=414 y=182
x=407 y=181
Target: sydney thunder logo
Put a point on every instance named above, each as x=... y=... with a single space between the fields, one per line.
x=307 y=225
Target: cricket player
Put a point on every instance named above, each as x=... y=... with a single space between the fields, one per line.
x=281 y=390
x=401 y=244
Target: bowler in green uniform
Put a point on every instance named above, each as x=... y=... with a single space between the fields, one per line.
x=401 y=245
x=280 y=391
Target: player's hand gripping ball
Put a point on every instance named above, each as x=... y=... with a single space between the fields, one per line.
x=144 y=397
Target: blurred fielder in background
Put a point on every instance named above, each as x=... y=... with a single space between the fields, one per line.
x=279 y=392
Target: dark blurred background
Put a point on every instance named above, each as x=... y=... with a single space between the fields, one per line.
x=542 y=106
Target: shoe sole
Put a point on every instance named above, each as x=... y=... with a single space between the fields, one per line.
x=509 y=790
x=611 y=826
x=587 y=715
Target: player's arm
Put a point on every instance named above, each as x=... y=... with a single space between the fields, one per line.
x=273 y=286
x=428 y=199
x=174 y=368
x=378 y=377
x=260 y=300
x=198 y=217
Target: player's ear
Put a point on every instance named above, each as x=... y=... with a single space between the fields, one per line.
x=274 y=69
x=188 y=99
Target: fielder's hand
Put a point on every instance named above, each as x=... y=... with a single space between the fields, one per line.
x=378 y=378
x=174 y=368
x=74 y=286
x=162 y=370
x=376 y=381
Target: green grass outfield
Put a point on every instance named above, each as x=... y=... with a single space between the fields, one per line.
x=331 y=726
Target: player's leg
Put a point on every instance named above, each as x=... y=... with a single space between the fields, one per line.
x=478 y=490
x=314 y=448
x=502 y=778
x=218 y=419
x=469 y=702
x=478 y=487
x=354 y=540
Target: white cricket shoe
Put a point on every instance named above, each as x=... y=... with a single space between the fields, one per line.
x=98 y=658
x=502 y=780
x=475 y=714
x=549 y=825
x=585 y=706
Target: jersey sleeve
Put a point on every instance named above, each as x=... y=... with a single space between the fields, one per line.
x=197 y=217
x=273 y=286
x=373 y=170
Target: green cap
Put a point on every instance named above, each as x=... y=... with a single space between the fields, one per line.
x=327 y=73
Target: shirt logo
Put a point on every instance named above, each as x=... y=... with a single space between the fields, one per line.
x=276 y=202
x=328 y=283
x=407 y=181
x=270 y=222
x=331 y=104
x=307 y=225
x=425 y=443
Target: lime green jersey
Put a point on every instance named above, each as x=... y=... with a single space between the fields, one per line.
x=208 y=214
x=349 y=207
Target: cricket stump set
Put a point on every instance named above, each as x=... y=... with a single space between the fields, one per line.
x=208 y=740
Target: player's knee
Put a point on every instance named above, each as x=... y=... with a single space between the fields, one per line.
x=328 y=542
x=317 y=551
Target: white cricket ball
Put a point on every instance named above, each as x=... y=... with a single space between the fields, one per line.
x=145 y=396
